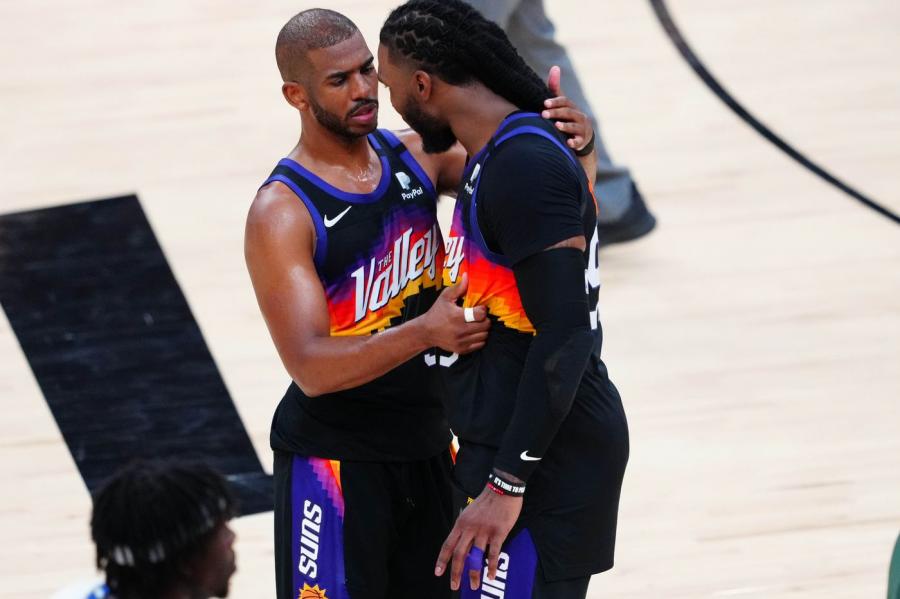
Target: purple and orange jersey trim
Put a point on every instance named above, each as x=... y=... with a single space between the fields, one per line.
x=491 y=283
x=317 y=519
x=375 y=289
x=329 y=474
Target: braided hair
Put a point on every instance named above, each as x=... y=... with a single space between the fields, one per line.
x=451 y=39
x=150 y=517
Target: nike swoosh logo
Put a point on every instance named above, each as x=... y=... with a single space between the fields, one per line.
x=527 y=458
x=330 y=222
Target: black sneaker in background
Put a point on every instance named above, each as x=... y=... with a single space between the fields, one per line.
x=635 y=223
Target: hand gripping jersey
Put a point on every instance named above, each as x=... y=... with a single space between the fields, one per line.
x=378 y=256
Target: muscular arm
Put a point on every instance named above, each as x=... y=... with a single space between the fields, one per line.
x=278 y=247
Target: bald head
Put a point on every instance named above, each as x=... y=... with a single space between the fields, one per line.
x=309 y=30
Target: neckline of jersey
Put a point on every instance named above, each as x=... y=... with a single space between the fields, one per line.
x=340 y=194
x=512 y=116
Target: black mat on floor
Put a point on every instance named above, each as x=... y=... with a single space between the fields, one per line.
x=114 y=346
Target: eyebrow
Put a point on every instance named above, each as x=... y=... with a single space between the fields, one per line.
x=340 y=74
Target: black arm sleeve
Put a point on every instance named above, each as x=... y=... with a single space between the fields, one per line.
x=531 y=199
x=551 y=285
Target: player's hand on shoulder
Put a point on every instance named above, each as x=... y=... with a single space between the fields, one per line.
x=569 y=117
x=453 y=328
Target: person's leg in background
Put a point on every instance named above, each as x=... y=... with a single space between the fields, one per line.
x=623 y=214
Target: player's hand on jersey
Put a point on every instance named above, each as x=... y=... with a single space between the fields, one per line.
x=569 y=118
x=446 y=325
x=485 y=524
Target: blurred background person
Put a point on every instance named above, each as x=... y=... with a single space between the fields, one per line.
x=161 y=532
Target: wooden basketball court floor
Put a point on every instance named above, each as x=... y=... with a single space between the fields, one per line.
x=754 y=335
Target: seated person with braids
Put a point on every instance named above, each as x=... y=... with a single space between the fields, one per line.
x=161 y=530
x=542 y=431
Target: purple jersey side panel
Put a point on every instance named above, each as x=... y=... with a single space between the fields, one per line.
x=515 y=573
x=317 y=508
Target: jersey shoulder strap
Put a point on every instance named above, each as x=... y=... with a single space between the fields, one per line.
x=395 y=147
x=286 y=172
x=531 y=123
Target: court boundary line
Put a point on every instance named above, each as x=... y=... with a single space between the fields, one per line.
x=678 y=40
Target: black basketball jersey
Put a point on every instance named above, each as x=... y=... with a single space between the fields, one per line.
x=378 y=256
x=571 y=504
x=483 y=384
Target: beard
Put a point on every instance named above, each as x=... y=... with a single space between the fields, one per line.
x=437 y=136
x=339 y=125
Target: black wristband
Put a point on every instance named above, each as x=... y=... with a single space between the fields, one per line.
x=588 y=147
x=502 y=486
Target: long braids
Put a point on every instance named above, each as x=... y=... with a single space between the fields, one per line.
x=454 y=41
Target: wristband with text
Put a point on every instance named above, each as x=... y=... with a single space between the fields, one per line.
x=501 y=486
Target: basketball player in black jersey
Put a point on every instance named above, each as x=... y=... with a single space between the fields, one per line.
x=345 y=255
x=543 y=436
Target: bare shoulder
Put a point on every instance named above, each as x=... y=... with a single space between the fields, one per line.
x=276 y=205
x=444 y=168
x=413 y=143
x=275 y=215
x=410 y=139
